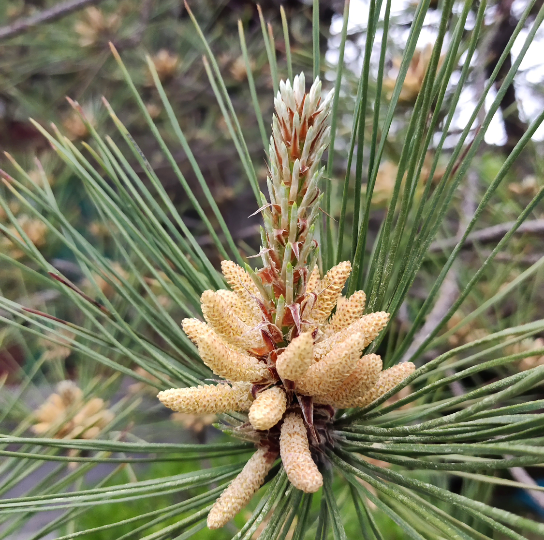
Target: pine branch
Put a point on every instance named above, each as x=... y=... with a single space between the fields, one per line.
x=448 y=294
x=489 y=234
x=54 y=13
x=450 y=287
x=521 y=475
x=529 y=259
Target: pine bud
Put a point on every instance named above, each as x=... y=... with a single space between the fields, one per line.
x=369 y=325
x=363 y=378
x=268 y=408
x=348 y=310
x=296 y=456
x=300 y=135
x=241 y=489
x=298 y=356
x=228 y=362
x=387 y=380
x=208 y=399
x=330 y=288
x=324 y=377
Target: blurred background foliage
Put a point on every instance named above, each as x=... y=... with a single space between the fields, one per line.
x=69 y=55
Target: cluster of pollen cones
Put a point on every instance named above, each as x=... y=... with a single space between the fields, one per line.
x=285 y=342
x=290 y=390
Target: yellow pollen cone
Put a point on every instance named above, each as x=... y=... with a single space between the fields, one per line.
x=296 y=456
x=229 y=363
x=235 y=304
x=348 y=310
x=268 y=408
x=369 y=325
x=241 y=489
x=324 y=377
x=313 y=281
x=208 y=399
x=363 y=378
x=195 y=329
x=238 y=279
x=387 y=380
x=298 y=356
x=222 y=319
x=329 y=290
x=242 y=284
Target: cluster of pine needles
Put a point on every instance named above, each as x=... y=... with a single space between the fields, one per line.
x=348 y=405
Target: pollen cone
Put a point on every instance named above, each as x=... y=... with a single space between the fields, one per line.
x=296 y=456
x=221 y=317
x=268 y=408
x=298 y=356
x=228 y=362
x=241 y=489
x=331 y=286
x=195 y=329
x=387 y=380
x=208 y=399
x=242 y=284
x=369 y=325
x=324 y=377
x=363 y=378
x=313 y=281
x=348 y=310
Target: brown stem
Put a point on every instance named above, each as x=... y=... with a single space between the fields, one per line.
x=505 y=25
x=489 y=234
x=54 y=13
x=521 y=475
x=448 y=294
